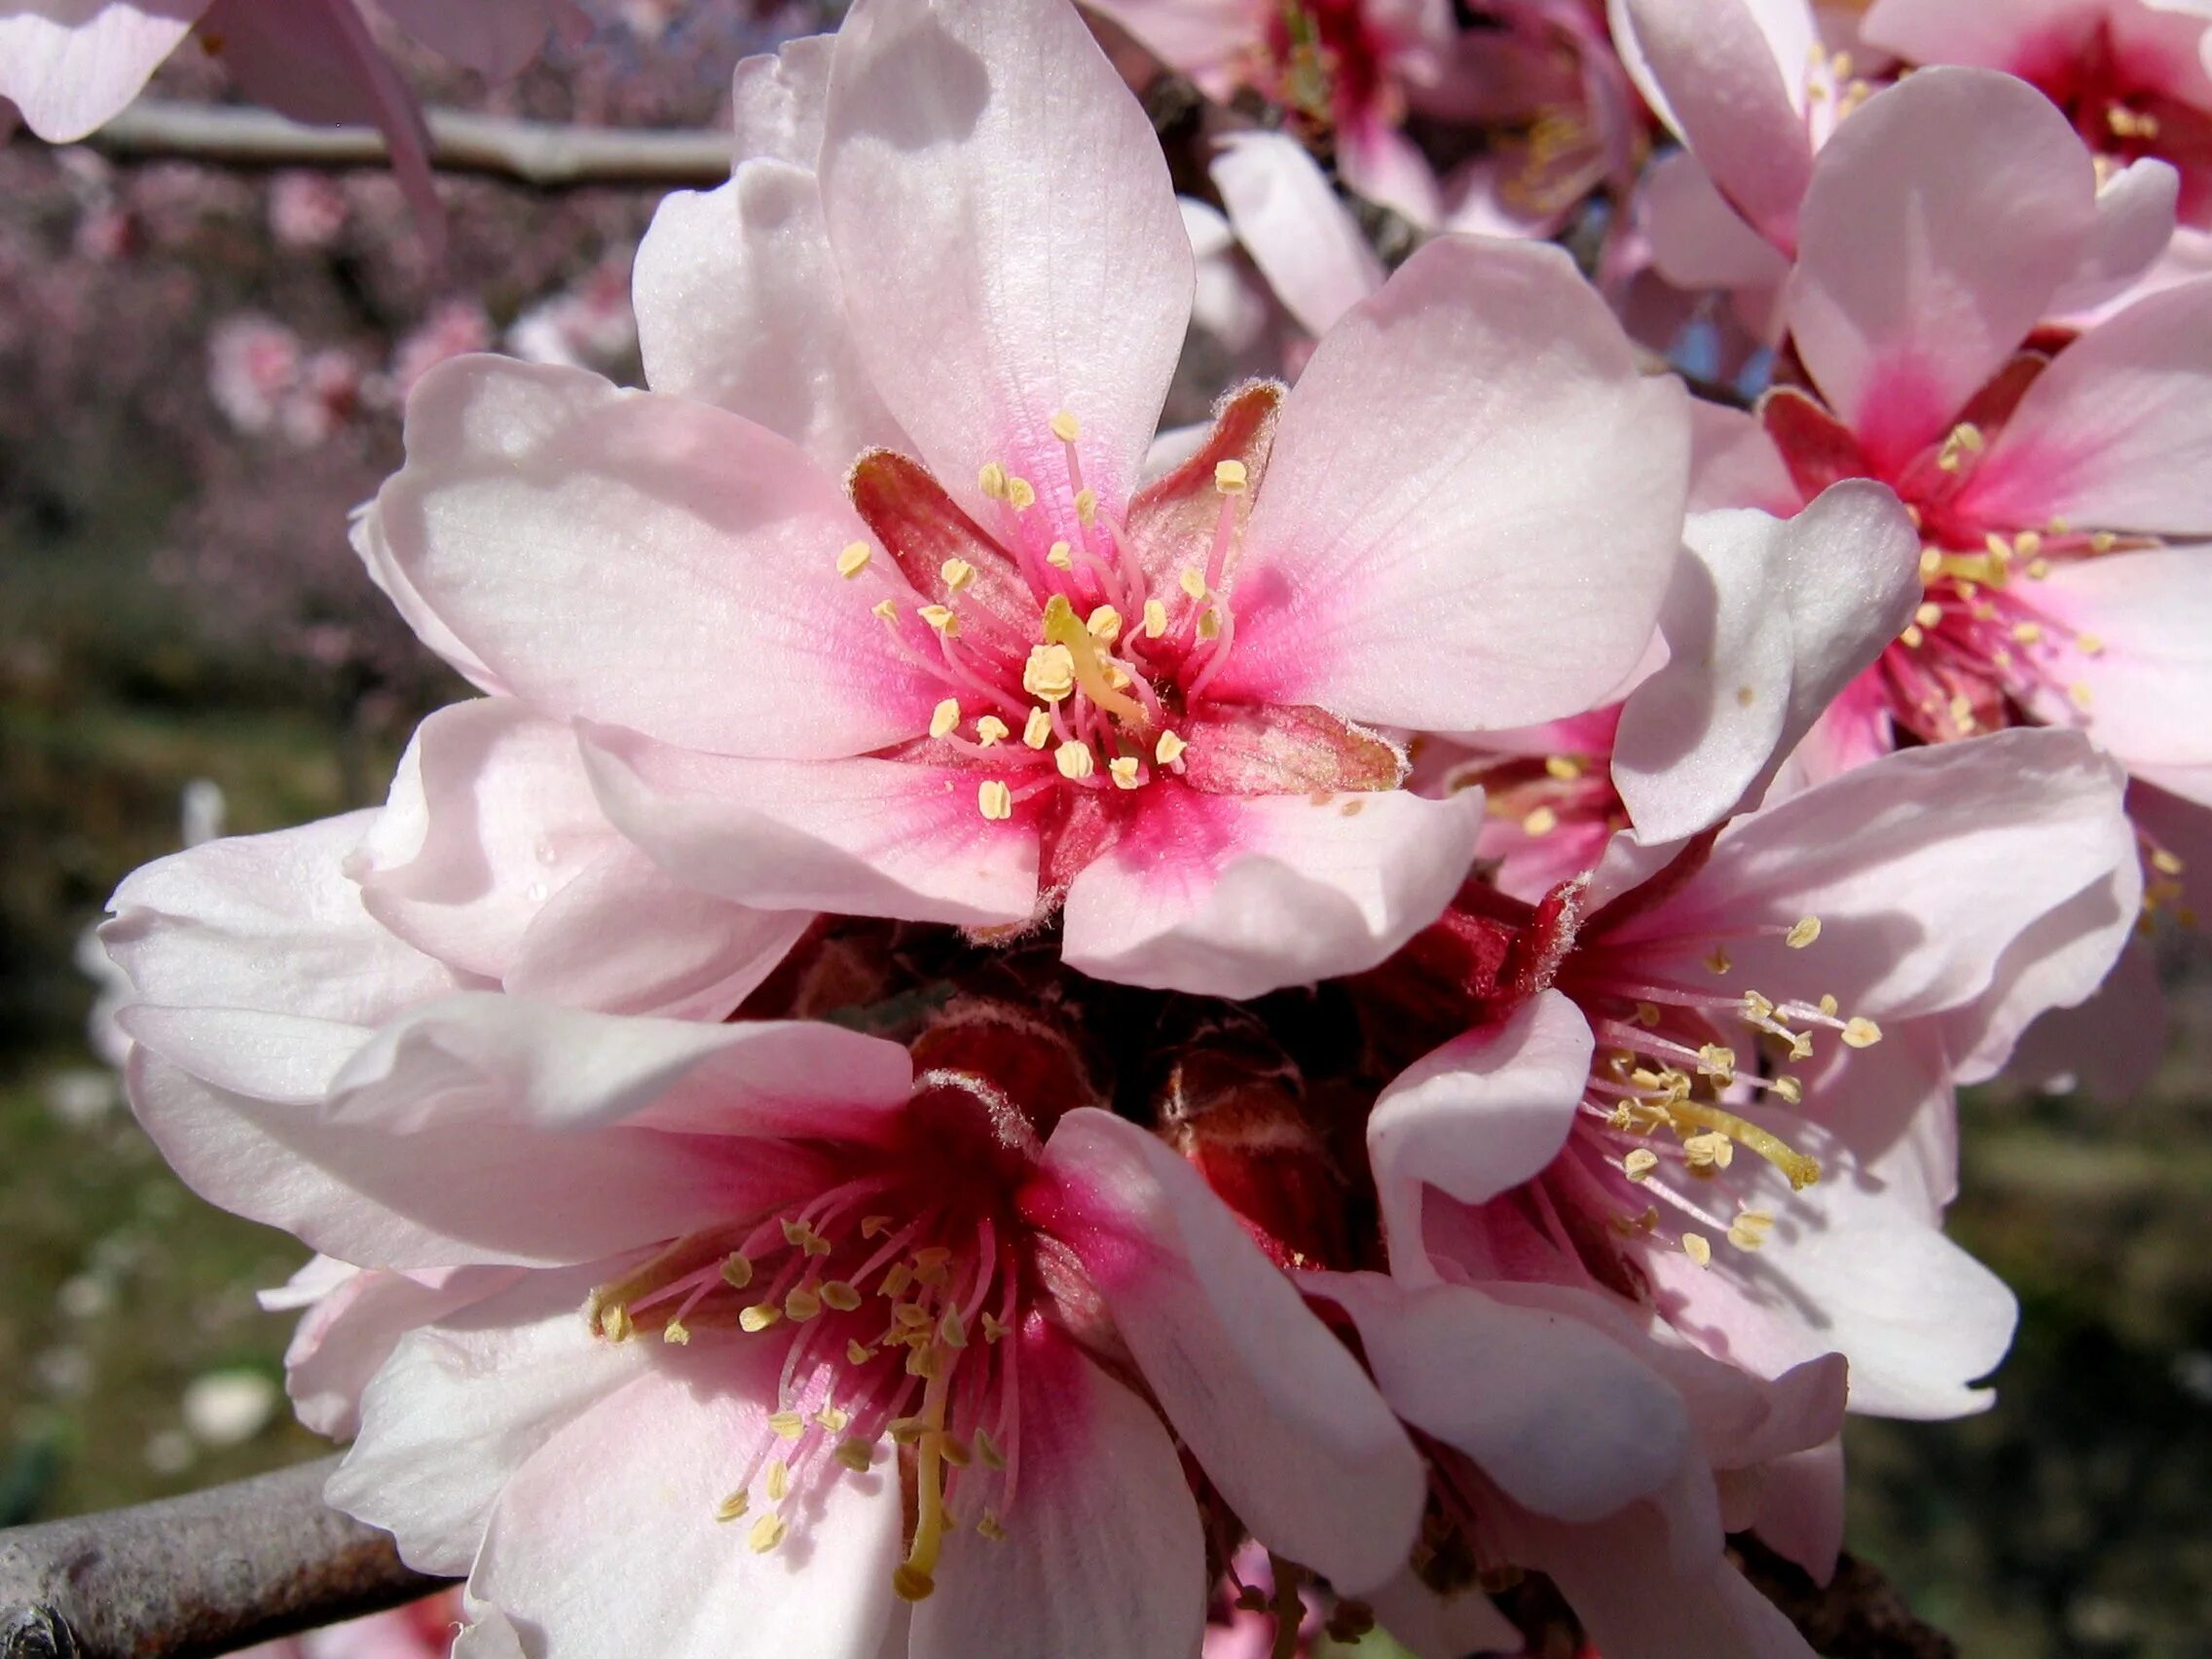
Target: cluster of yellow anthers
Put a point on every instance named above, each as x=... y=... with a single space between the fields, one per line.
x=1085 y=698
x=931 y=1315
x=1663 y=1079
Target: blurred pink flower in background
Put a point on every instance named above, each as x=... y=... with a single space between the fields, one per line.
x=420 y=1630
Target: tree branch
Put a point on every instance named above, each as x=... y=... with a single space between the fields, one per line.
x=206 y=1573
x=544 y=154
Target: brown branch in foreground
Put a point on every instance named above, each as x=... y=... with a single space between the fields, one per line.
x=544 y=154
x=206 y=1573
x=1857 y=1614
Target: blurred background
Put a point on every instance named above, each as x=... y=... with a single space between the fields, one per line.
x=200 y=372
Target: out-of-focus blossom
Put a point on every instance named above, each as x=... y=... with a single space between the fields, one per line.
x=70 y=67
x=587 y=325
x=453 y=329
x=306 y=210
x=265 y=381
x=1001 y=673
x=1695 y=1146
x=420 y=1630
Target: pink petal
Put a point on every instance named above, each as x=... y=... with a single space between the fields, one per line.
x=463 y=1403
x=1562 y=1418
x=1381 y=164
x=778 y=99
x=481 y=1057
x=1924 y=867
x=70 y=65
x=2135 y=224
x=1633 y=1598
x=615 y=1513
x=739 y=305
x=1273 y=1408
x=1941 y=218
x=374 y=549
x=1767 y=621
x=473 y=1192
x=867 y=838
x=1698 y=240
x=1299 y=234
x=1433 y=1626
x=266 y=922
x=1205 y=39
x=633 y=558
x=488 y=811
x=625 y=937
x=1731 y=99
x=1471 y=506
x=2023 y=37
x=2150 y=682
x=2108 y=1045
x=1008 y=236
x=2117 y=432
x=1734 y=463
x=1850 y=1266
x=1476 y=1118
x=1800 y=1515
x=343 y=1339
x=1103 y=1554
x=1238 y=895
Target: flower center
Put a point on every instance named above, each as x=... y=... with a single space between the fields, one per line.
x=1067 y=664
x=890 y=1288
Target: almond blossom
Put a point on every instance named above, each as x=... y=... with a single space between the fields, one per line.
x=989 y=673
x=1695 y=1147
x=854 y=1324
x=2049 y=493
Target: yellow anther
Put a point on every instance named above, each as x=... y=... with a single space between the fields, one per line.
x=2038 y=569
x=779 y=1483
x=1154 y=618
x=1807 y=930
x=2026 y=633
x=1695 y=1247
x=1648 y=1015
x=994 y=800
x=896 y=1281
x=733 y=1506
x=786 y=1425
x=993 y=1326
x=676 y=1332
x=1060 y=556
x=615 y=1322
x=1749 y=1231
x=1105 y=623
x=1230 y=477
x=1827 y=1005
x=2028 y=543
x=1639 y=1162
x=941 y=618
x=950 y=1330
x=990 y=729
x=876 y=1226
x=1710 y=1150
x=2166 y=862
x=1541 y=822
x=1073 y=759
x=1862 y=1033
x=1912 y=637
x=1209 y=624
x=1192 y=582
x=837 y=1294
x=905 y=1430
x=922 y=1362
x=767 y=1532
x=1063 y=628
x=854 y=1454
x=1801 y=1171
x=1123 y=768
x=990 y=1527
x=944 y=717
x=801 y=1304
x=1066 y=428
x=1049 y=671
x=1714 y=1060
x=1931 y=564
x=2103 y=541
x=1021 y=495
x=858 y=1352
x=854 y=559
x=1929 y=614
x=834 y=1420
x=884 y=608
x=737 y=1270
x=2088 y=645
x=1169 y=748
x=992 y=481
x=1718 y=961
x=955 y=1451
x=759 y=1316
x=2079 y=695
x=1087 y=506
x=956 y=573
x=1565 y=767
x=1037 y=729
x=1789 y=1090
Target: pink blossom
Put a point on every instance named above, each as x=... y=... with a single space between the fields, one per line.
x=968 y=684
x=306 y=210
x=2048 y=492
x=732 y=1203
x=587 y=325
x=420 y=1630
x=1692 y=1156
x=455 y=328
x=263 y=379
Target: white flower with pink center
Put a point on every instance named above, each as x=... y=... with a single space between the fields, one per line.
x=936 y=653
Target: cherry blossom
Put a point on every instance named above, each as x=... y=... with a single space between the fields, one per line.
x=991 y=674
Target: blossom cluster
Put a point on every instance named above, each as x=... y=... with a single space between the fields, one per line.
x=1008 y=1032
